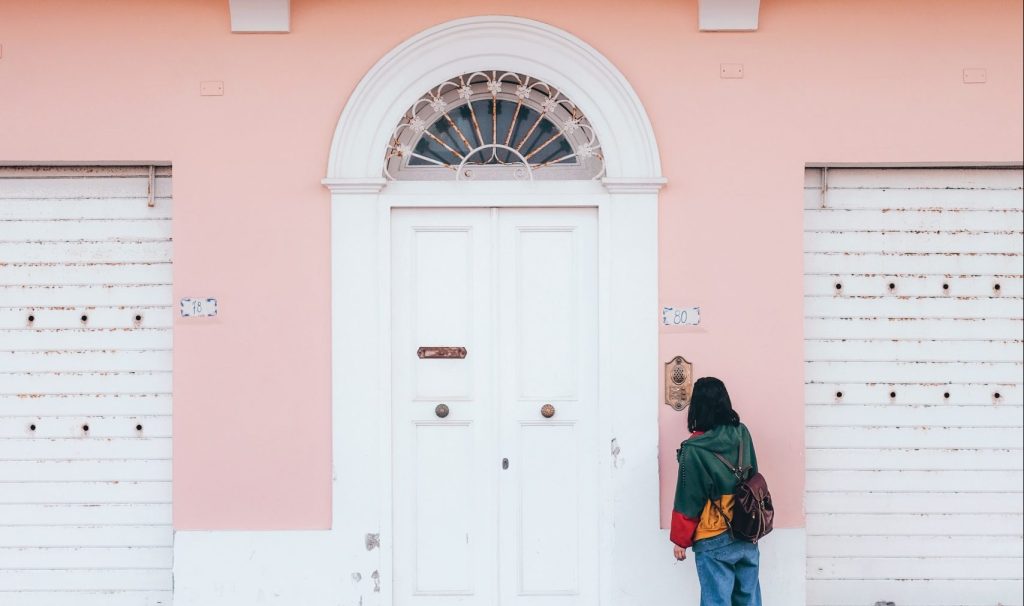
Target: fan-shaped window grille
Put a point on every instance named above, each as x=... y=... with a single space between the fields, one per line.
x=493 y=125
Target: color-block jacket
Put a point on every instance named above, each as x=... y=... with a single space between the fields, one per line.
x=703 y=478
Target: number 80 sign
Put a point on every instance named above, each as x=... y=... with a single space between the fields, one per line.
x=680 y=316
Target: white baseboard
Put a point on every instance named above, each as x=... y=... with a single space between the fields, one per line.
x=323 y=568
x=258 y=568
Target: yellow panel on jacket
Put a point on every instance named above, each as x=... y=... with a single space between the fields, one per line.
x=712 y=523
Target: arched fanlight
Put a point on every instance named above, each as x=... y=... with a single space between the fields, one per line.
x=491 y=126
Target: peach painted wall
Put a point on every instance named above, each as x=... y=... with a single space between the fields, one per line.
x=825 y=81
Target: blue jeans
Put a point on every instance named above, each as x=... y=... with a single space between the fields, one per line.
x=727 y=570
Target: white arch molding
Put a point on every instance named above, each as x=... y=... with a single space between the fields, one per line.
x=634 y=566
x=484 y=44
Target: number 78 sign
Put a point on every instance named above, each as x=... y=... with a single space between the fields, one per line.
x=198 y=308
x=680 y=316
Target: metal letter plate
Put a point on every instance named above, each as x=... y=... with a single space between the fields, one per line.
x=444 y=353
x=198 y=308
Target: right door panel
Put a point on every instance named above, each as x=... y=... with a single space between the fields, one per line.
x=547 y=357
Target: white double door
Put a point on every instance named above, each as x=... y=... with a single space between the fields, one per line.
x=494 y=502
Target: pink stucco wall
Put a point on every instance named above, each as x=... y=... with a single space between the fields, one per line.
x=863 y=81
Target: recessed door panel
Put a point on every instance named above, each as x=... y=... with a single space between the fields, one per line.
x=444 y=502
x=549 y=506
x=546 y=284
x=442 y=300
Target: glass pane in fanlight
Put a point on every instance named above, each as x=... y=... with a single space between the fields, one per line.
x=431 y=149
x=447 y=133
x=483 y=155
x=506 y=109
x=556 y=150
x=464 y=121
x=522 y=126
x=483 y=110
x=552 y=151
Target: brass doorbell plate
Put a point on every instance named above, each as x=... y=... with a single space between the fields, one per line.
x=678 y=383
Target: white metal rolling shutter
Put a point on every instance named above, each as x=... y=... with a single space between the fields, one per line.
x=85 y=341
x=913 y=326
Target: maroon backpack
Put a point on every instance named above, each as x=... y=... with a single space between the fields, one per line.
x=752 y=510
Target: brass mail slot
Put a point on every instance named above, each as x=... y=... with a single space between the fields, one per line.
x=448 y=353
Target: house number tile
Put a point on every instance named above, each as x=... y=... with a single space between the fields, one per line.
x=198 y=308
x=680 y=316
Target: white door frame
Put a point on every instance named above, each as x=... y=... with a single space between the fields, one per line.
x=627 y=206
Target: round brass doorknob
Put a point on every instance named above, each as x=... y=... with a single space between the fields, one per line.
x=547 y=411
x=441 y=410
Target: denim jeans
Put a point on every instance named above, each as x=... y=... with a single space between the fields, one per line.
x=727 y=569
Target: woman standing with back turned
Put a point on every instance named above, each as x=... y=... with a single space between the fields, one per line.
x=726 y=567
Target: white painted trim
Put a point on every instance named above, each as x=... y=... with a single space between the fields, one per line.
x=649 y=185
x=729 y=15
x=511 y=193
x=370 y=185
x=260 y=16
x=627 y=202
x=628 y=362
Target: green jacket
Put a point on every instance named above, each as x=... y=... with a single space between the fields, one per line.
x=703 y=480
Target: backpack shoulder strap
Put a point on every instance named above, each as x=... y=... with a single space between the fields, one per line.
x=735 y=470
x=724 y=461
x=738 y=470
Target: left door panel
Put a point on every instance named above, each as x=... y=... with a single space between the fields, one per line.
x=443 y=416
x=85 y=386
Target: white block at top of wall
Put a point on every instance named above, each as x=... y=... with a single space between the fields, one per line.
x=729 y=15
x=260 y=16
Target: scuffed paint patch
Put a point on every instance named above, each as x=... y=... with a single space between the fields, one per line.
x=376 y=581
x=372 y=541
x=617 y=460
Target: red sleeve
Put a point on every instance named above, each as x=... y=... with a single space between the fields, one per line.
x=683 y=528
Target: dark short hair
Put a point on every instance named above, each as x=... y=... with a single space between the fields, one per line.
x=710 y=406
